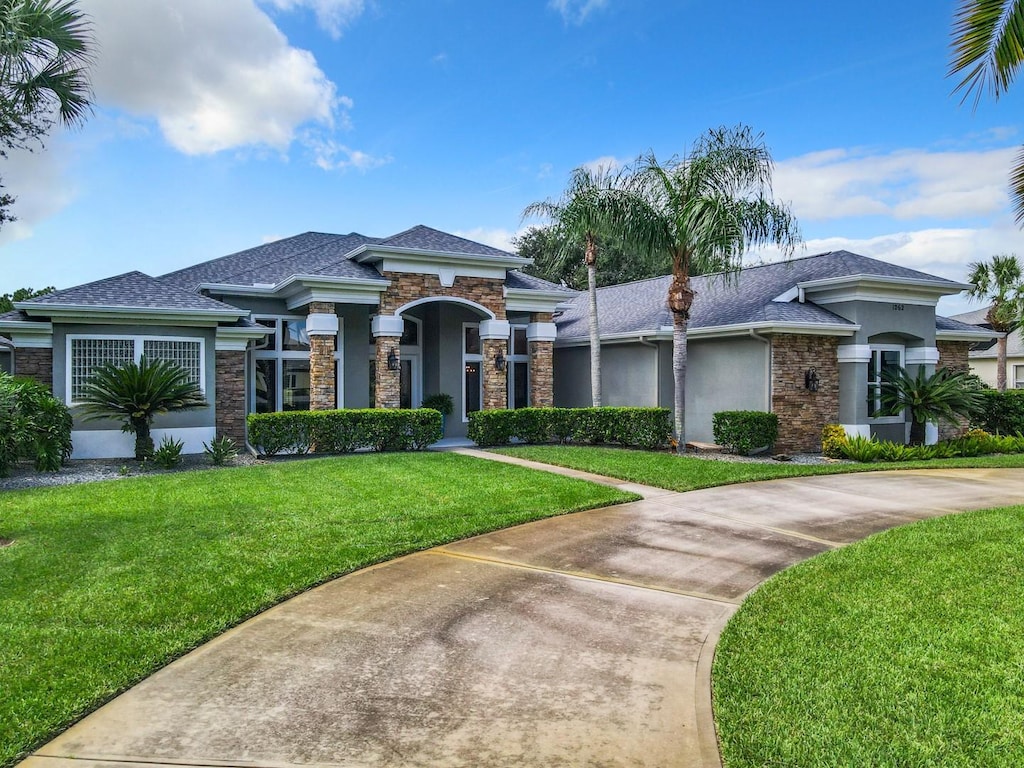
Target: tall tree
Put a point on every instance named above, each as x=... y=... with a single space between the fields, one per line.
x=590 y=209
x=615 y=262
x=705 y=210
x=45 y=51
x=987 y=53
x=22 y=294
x=1000 y=281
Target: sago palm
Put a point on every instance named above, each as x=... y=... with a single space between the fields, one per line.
x=1000 y=281
x=988 y=51
x=940 y=396
x=135 y=393
x=705 y=210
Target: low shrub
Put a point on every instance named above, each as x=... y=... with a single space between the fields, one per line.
x=633 y=427
x=859 y=448
x=744 y=431
x=221 y=450
x=833 y=437
x=168 y=453
x=344 y=431
x=1001 y=413
x=34 y=425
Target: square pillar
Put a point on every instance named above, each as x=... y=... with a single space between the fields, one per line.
x=322 y=327
x=387 y=337
x=495 y=380
x=541 y=338
x=230 y=395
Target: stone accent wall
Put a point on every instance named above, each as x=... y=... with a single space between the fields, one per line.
x=803 y=413
x=387 y=383
x=542 y=317
x=542 y=374
x=953 y=355
x=230 y=396
x=323 y=392
x=495 y=381
x=35 y=364
x=406 y=287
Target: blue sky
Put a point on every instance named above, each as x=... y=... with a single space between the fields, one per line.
x=222 y=125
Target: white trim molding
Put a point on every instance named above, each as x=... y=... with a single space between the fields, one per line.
x=494 y=329
x=322 y=324
x=854 y=353
x=541 y=332
x=448 y=299
x=857 y=430
x=921 y=356
x=237 y=339
x=387 y=325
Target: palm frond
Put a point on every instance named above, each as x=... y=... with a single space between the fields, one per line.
x=987 y=46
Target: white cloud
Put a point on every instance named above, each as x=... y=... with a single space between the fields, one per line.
x=605 y=163
x=215 y=75
x=40 y=185
x=576 y=11
x=906 y=184
x=494 y=237
x=333 y=16
x=334 y=156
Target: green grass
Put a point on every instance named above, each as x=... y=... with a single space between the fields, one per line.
x=687 y=473
x=106 y=582
x=906 y=649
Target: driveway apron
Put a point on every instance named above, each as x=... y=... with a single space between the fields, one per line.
x=579 y=640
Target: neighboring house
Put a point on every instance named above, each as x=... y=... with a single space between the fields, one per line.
x=6 y=355
x=321 y=321
x=807 y=339
x=312 y=321
x=983 y=354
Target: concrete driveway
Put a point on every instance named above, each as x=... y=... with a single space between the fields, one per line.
x=579 y=640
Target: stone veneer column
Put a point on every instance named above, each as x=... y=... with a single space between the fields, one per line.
x=230 y=398
x=803 y=413
x=322 y=327
x=494 y=336
x=540 y=334
x=34 y=363
x=953 y=355
x=387 y=334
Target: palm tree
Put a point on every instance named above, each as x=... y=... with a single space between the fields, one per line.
x=988 y=51
x=589 y=209
x=1000 y=281
x=136 y=393
x=941 y=396
x=706 y=210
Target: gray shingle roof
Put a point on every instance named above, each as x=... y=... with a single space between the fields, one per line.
x=311 y=253
x=976 y=317
x=521 y=281
x=720 y=300
x=425 y=238
x=131 y=290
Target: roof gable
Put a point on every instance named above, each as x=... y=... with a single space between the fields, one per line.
x=131 y=290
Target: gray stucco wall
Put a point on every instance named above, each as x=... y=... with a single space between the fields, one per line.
x=201 y=417
x=355 y=320
x=724 y=375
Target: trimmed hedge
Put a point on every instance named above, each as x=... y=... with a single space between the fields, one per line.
x=33 y=425
x=744 y=431
x=344 y=431
x=1002 y=413
x=633 y=427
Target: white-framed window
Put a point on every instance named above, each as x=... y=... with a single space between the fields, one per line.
x=884 y=358
x=1018 y=377
x=280 y=366
x=87 y=352
x=518 y=368
x=473 y=370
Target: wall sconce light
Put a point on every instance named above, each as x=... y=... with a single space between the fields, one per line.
x=392 y=360
x=499 y=360
x=811 y=380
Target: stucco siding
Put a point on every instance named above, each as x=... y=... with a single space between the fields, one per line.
x=724 y=375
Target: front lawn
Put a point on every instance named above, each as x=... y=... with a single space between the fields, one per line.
x=688 y=473
x=106 y=582
x=906 y=649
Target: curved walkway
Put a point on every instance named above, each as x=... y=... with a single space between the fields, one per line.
x=579 y=640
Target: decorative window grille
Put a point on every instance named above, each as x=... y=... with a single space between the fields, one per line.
x=86 y=354
x=89 y=354
x=185 y=354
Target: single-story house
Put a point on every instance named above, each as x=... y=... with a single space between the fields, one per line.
x=983 y=354
x=322 y=321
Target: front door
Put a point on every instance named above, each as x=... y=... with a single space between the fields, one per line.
x=410 y=393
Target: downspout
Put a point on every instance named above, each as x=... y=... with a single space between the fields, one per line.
x=768 y=361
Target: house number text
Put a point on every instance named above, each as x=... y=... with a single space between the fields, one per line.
x=897 y=307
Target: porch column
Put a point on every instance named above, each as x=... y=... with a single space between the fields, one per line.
x=853 y=388
x=541 y=338
x=322 y=327
x=494 y=336
x=387 y=335
x=928 y=357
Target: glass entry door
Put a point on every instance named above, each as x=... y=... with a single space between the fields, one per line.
x=409 y=394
